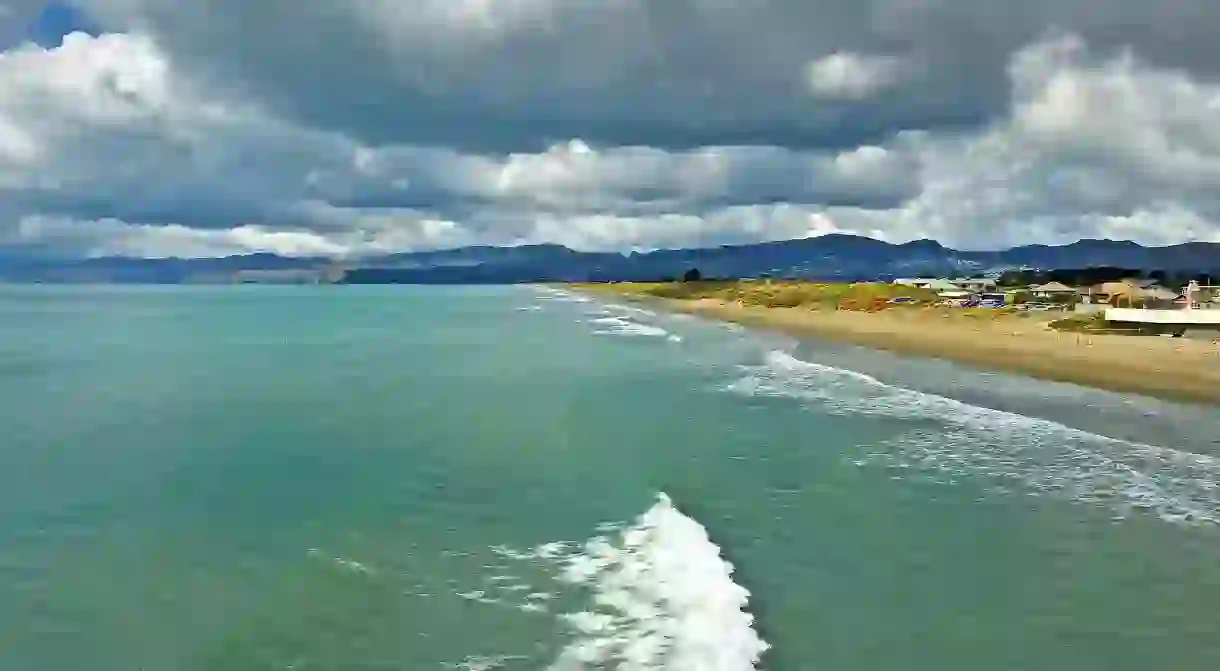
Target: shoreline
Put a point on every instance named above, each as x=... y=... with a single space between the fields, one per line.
x=1167 y=368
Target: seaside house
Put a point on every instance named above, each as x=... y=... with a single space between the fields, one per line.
x=1156 y=296
x=1198 y=297
x=975 y=284
x=1053 y=291
x=1130 y=293
x=929 y=283
x=1104 y=292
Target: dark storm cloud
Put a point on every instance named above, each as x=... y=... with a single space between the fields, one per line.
x=524 y=74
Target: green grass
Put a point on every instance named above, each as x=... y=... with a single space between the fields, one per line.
x=775 y=294
x=1097 y=324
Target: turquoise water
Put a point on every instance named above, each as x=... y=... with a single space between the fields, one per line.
x=231 y=478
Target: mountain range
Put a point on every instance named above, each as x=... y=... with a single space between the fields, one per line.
x=829 y=257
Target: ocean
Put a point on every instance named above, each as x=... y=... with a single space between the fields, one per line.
x=521 y=478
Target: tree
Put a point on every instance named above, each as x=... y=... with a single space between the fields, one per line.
x=692 y=275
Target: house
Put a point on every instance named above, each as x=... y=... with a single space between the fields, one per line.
x=1127 y=293
x=1104 y=292
x=932 y=284
x=1052 y=290
x=957 y=295
x=1198 y=298
x=1159 y=293
x=976 y=284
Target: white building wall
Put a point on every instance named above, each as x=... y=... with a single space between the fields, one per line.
x=1183 y=317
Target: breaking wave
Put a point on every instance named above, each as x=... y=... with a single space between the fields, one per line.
x=652 y=595
x=1033 y=455
x=629 y=310
x=622 y=326
x=559 y=295
x=662 y=598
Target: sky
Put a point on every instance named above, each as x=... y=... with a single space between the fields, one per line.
x=349 y=127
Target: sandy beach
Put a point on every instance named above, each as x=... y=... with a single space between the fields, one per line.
x=1171 y=368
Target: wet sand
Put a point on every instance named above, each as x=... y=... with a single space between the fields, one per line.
x=1172 y=368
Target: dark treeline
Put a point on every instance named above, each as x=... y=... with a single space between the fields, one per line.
x=1078 y=277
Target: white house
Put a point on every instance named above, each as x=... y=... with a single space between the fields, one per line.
x=1052 y=290
x=930 y=283
x=975 y=284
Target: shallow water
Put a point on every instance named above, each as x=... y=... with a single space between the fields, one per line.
x=407 y=478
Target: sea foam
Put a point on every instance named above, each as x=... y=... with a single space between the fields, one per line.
x=662 y=599
x=622 y=326
x=1034 y=455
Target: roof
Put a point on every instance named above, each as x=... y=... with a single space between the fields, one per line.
x=1159 y=293
x=1126 y=288
x=1117 y=288
x=1053 y=287
x=931 y=282
x=942 y=285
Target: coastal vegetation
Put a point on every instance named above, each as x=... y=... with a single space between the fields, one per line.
x=1094 y=323
x=866 y=296
x=855 y=296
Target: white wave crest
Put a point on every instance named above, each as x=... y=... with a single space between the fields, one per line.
x=619 y=326
x=1038 y=456
x=663 y=599
x=551 y=294
x=629 y=310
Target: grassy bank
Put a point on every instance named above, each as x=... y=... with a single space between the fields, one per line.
x=779 y=294
x=813 y=296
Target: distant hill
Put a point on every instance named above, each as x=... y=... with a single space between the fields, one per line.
x=830 y=257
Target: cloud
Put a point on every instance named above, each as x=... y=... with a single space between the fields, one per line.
x=102 y=129
x=146 y=142
x=848 y=76
x=521 y=75
x=108 y=237
x=1092 y=147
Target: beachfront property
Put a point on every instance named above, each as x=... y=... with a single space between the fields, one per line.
x=943 y=286
x=1140 y=294
x=929 y=283
x=1195 y=308
x=975 y=285
x=962 y=290
x=1055 y=291
x=1128 y=293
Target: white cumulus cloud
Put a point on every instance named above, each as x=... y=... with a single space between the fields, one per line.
x=111 y=144
x=850 y=76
